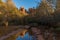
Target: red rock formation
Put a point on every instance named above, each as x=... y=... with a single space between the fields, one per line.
x=32 y=11
x=23 y=11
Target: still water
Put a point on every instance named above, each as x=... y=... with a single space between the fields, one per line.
x=26 y=37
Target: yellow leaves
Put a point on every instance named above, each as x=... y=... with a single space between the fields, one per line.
x=11 y=12
x=20 y=14
x=0 y=13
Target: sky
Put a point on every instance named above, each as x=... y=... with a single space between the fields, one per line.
x=26 y=3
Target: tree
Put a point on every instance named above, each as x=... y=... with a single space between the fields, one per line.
x=58 y=4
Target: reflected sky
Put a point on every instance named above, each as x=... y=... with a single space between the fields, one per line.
x=26 y=37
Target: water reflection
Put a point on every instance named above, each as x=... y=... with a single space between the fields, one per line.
x=26 y=37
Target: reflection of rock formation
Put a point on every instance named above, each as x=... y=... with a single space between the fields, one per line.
x=21 y=33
